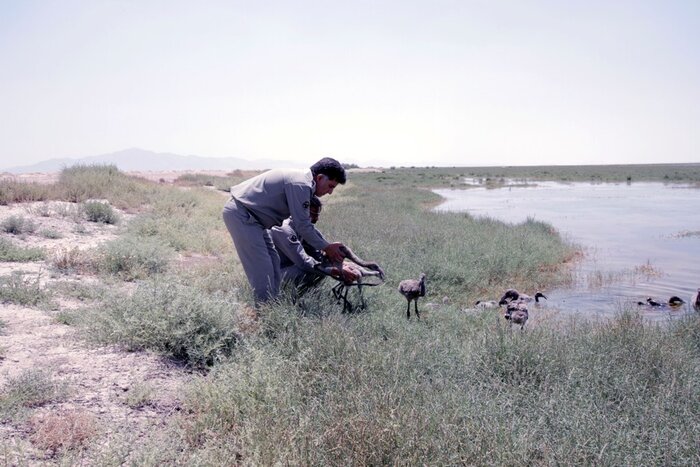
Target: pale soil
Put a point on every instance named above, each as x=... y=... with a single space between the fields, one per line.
x=98 y=381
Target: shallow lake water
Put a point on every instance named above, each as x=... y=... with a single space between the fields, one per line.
x=639 y=239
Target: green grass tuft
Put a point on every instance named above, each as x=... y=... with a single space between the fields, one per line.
x=18 y=290
x=31 y=388
x=10 y=252
x=133 y=258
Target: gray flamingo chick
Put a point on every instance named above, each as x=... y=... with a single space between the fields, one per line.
x=412 y=289
x=517 y=313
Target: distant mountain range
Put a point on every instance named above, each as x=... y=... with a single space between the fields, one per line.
x=141 y=160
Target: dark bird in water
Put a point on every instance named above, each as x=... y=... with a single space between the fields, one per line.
x=512 y=295
x=676 y=301
x=412 y=289
x=517 y=313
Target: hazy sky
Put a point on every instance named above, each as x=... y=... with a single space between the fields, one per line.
x=370 y=82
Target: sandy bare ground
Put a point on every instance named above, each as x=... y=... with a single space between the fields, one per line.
x=110 y=392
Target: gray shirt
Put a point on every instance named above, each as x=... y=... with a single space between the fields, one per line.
x=277 y=194
x=290 y=247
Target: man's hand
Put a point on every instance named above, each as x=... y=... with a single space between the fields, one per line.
x=334 y=253
x=350 y=274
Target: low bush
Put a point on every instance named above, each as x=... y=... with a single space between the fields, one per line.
x=40 y=209
x=168 y=317
x=18 y=290
x=84 y=291
x=73 y=260
x=99 y=211
x=133 y=258
x=69 y=210
x=18 y=225
x=139 y=395
x=51 y=234
x=82 y=182
x=65 y=430
x=12 y=253
x=31 y=388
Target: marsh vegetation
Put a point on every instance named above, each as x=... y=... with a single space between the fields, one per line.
x=638 y=237
x=311 y=385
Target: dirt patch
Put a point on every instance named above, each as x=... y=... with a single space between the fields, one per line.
x=55 y=225
x=109 y=392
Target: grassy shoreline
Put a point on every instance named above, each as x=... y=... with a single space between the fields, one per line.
x=439 y=177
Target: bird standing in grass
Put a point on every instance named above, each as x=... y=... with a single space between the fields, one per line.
x=412 y=289
x=517 y=313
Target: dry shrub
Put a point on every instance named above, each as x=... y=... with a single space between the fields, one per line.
x=72 y=260
x=13 y=191
x=63 y=430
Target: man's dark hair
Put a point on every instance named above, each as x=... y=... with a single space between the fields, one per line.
x=331 y=168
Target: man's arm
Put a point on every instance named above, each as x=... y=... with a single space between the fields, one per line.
x=289 y=244
x=299 y=200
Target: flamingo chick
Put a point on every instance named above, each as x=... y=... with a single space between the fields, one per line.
x=412 y=289
x=517 y=313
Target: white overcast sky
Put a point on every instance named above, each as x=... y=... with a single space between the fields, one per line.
x=422 y=83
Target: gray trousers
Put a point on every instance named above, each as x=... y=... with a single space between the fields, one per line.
x=256 y=251
x=299 y=281
x=300 y=277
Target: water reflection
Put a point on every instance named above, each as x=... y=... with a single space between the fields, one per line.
x=641 y=239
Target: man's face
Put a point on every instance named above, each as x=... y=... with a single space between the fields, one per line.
x=314 y=212
x=324 y=185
